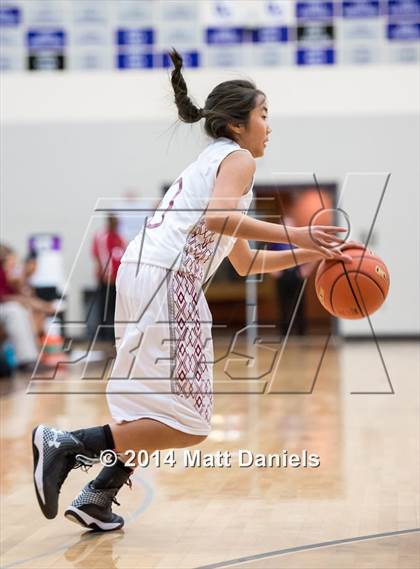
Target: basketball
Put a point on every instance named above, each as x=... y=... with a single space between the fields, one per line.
x=353 y=290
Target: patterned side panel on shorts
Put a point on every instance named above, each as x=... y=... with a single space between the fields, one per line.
x=191 y=374
x=198 y=249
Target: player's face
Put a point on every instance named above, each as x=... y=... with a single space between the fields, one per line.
x=254 y=137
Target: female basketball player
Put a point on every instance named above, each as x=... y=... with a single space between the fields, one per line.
x=160 y=390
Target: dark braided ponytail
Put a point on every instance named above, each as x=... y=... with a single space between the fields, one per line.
x=187 y=111
x=229 y=103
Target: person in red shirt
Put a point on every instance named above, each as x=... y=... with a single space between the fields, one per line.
x=108 y=248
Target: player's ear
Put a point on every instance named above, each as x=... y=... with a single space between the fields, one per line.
x=236 y=128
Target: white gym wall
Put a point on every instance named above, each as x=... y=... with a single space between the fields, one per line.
x=68 y=140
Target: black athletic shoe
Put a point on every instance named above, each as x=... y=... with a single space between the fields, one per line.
x=93 y=509
x=55 y=454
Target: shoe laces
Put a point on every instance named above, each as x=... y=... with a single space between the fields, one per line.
x=112 y=492
x=73 y=462
x=84 y=462
x=127 y=483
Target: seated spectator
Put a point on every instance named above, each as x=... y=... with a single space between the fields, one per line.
x=21 y=313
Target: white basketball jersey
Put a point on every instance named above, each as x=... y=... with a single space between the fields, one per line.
x=177 y=237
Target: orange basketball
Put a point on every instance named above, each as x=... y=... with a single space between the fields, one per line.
x=353 y=290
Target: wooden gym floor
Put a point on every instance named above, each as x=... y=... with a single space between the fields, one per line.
x=359 y=509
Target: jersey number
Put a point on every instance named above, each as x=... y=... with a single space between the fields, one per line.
x=150 y=224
